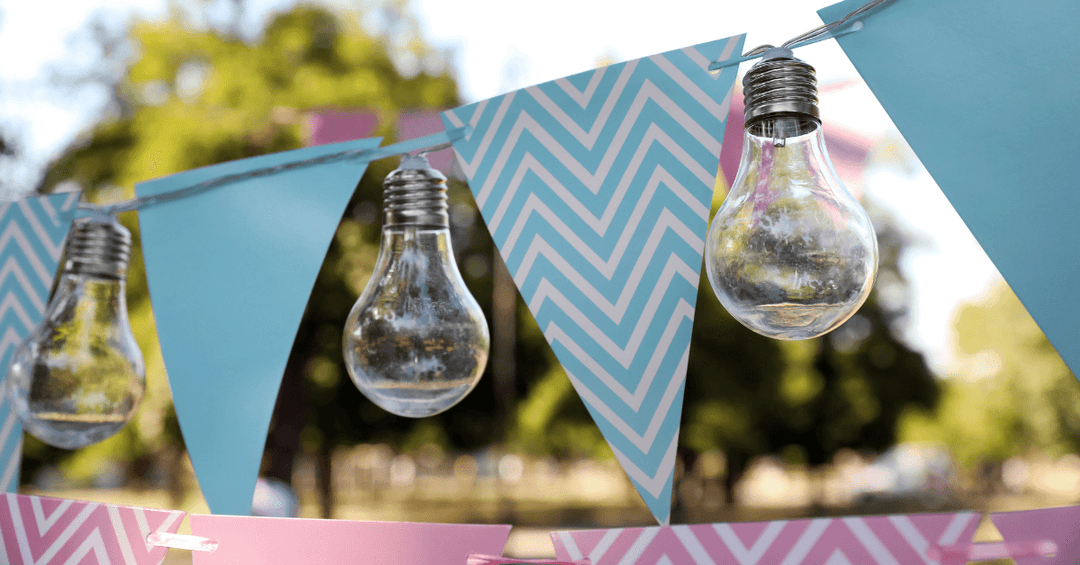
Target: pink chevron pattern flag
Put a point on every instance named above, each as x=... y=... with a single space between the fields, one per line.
x=35 y=530
x=880 y=540
x=1058 y=525
x=250 y=540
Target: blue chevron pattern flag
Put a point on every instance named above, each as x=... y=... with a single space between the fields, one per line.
x=32 y=233
x=596 y=189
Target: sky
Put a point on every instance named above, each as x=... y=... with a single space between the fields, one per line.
x=498 y=46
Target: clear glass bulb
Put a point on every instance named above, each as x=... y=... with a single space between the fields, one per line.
x=790 y=254
x=416 y=341
x=79 y=376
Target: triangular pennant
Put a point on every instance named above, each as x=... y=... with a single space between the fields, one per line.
x=878 y=539
x=417 y=123
x=335 y=126
x=230 y=271
x=80 y=532
x=244 y=540
x=1057 y=525
x=32 y=233
x=978 y=90
x=596 y=189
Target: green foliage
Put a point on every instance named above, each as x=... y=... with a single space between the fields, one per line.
x=747 y=395
x=195 y=97
x=1012 y=393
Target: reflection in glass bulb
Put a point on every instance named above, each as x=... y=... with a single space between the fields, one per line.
x=416 y=341
x=79 y=376
x=790 y=253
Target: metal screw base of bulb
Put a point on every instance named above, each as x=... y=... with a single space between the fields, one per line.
x=779 y=85
x=415 y=195
x=98 y=246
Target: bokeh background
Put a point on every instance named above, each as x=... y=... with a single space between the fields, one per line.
x=940 y=393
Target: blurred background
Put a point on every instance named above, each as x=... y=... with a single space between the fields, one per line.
x=940 y=393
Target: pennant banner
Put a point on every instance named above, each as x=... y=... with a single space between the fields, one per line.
x=1061 y=526
x=230 y=271
x=31 y=242
x=596 y=189
x=35 y=530
x=244 y=540
x=333 y=126
x=823 y=541
x=416 y=123
x=978 y=88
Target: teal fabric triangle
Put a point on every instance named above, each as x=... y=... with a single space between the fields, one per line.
x=985 y=93
x=230 y=272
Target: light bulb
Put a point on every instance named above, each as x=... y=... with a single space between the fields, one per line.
x=790 y=254
x=416 y=341
x=78 y=378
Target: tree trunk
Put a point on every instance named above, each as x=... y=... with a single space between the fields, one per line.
x=283 y=441
x=736 y=466
x=503 y=368
x=174 y=457
x=685 y=460
x=326 y=480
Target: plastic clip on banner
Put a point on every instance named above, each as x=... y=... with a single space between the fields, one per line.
x=958 y=554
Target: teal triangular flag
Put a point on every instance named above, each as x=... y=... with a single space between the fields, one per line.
x=985 y=93
x=230 y=271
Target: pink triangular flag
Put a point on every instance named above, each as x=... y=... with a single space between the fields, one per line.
x=246 y=540
x=1058 y=525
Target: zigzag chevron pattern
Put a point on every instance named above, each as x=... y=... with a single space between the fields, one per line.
x=44 y=531
x=596 y=189
x=879 y=540
x=32 y=233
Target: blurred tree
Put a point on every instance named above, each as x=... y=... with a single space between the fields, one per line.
x=196 y=97
x=805 y=400
x=1011 y=394
x=747 y=395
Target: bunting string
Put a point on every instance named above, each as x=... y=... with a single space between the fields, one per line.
x=820 y=33
x=425 y=144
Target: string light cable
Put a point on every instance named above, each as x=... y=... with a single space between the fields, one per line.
x=426 y=144
x=445 y=139
x=839 y=28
